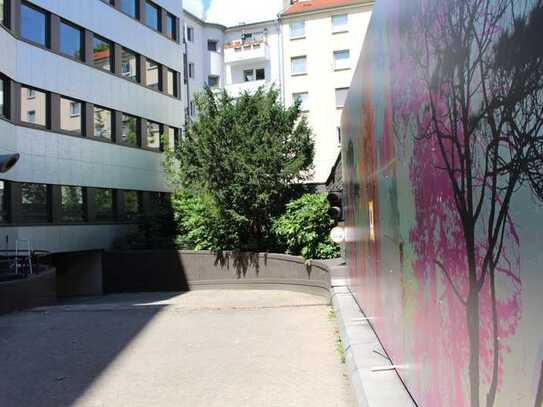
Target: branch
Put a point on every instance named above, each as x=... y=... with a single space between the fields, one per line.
x=449 y=279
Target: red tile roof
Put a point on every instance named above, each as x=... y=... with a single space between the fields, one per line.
x=313 y=5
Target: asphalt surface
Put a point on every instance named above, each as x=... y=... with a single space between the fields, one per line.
x=204 y=348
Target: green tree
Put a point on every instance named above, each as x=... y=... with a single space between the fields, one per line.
x=237 y=160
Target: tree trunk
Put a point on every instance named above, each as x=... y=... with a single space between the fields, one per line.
x=539 y=395
x=472 y=310
x=491 y=396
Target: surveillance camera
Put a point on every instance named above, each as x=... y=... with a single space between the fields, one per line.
x=7 y=161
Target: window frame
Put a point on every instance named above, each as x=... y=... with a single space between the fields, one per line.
x=47 y=34
x=344 y=88
x=81 y=40
x=335 y=61
x=299 y=57
x=173 y=19
x=214 y=77
x=4 y=99
x=84 y=206
x=111 y=52
x=291 y=30
x=145 y=141
x=159 y=85
x=136 y=9
x=211 y=41
x=149 y=3
x=111 y=138
x=81 y=121
x=303 y=106
x=137 y=77
x=48 y=206
x=138 y=131
x=47 y=108
x=342 y=28
x=5 y=208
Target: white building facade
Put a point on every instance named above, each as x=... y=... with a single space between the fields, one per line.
x=87 y=89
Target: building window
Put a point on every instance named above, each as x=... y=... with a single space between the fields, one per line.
x=299 y=65
x=130 y=7
x=129 y=65
x=152 y=74
x=34 y=203
x=192 y=108
x=102 y=53
x=3 y=104
x=341 y=95
x=338 y=131
x=4 y=205
x=70 y=116
x=70 y=40
x=34 y=109
x=152 y=135
x=129 y=130
x=260 y=74
x=72 y=204
x=340 y=23
x=171 y=27
x=3 y=12
x=34 y=24
x=171 y=83
x=303 y=97
x=191 y=70
x=151 y=15
x=102 y=123
x=254 y=74
x=190 y=34
x=103 y=203
x=212 y=81
x=212 y=45
x=131 y=205
x=297 y=29
x=342 y=59
x=171 y=142
x=30 y=93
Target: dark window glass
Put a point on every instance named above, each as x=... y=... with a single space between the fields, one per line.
x=190 y=34
x=171 y=83
x=3 y=202
x=3 y=85
x=129 y=7
x=103 y=202
x=131 y=205
x=33 y=106
x=3 y=12
x=70 y=40
x=260 y=74
x=248 y=75
x=102 y=123
x=152 y=135
x=129 y=131
x=34 y=24
x=151 y=15
x=191 y=70
x=212 y=45
x=129 y=65
x=171 y=29
x=152 y=74
x=73 y=209
x=213 y=81
x=34 y=203
x=102 y=53
x=70 y=115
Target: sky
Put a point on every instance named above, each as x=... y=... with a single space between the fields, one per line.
x=234 y=12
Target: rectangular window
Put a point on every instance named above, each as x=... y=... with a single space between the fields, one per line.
x=70 y=39
x=171 y=83
x=34 y=203
x=192 y=108
x=341 y=95
x=34 y=24
x=72 y=204
x=34 y=109
x=297 y=29
x=152 y=135
x=131 y=205
x=340 y=23
x=212 y=45
x=260 y=74
x=30 y=93
x=3 y=104
x=303 y=97
x=212 y=81
x=3 y=12
x=70 y=116
x=298 y=65
x=342 y=59
x=130 y=7
x=190 y=34
x=102 y=53
x=129 y=64
x=4 y=215
x=191 y=70
x=129 y=130
x=171 y=27
x=103 y=202
x=248 y=75
x=151 y=15
x=102 y=123
x=172 y=138
x=152 y=74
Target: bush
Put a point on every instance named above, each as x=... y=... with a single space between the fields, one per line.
x=305 y=228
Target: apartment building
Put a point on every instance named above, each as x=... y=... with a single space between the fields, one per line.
x=90 y=93
x=321 y=41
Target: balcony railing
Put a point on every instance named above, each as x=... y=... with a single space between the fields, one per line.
x=236 y=89
x=246 y=52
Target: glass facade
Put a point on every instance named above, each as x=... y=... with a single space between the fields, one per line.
x=3 y=202
x=102 y=53
x=151 y=15
x=102 y=123
x=171 y=29
x=70 y=116
x=3 y=12
x=72 y=204
x=70 y=39
x=34 y=24
x=152 y=74
x=103 y=203
x=34 y=203
x=129 y=130
x=129 y=7
x=130 y=205
x=152 y=135
x=3 y=85
x=171 y=83
x=33 y=106
x=129 y=65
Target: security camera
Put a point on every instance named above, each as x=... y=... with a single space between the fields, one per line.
x=7 y=161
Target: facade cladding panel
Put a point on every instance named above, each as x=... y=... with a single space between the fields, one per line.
x=77 y=150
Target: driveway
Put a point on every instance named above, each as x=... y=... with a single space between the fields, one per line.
x=212 y=348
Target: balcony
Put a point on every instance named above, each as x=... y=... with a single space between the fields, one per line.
x=236 y=89
x=247 y=52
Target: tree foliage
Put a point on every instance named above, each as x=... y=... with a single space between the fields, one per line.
x=234 y=167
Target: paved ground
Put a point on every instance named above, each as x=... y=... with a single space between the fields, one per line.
x=204 y=348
